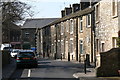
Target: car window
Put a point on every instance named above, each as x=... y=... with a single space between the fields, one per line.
x=15 y=51
x=26 y=54
x=6 y=48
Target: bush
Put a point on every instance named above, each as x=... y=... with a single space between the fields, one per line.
x=118 y=41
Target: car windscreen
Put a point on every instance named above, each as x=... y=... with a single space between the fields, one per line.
x=6 y=48
x=30 y=54
x=16 y=51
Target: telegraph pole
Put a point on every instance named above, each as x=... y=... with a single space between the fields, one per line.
x=0 y=41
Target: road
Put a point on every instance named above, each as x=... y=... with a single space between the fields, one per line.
x=49 y=70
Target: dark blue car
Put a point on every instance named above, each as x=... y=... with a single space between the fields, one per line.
x=26 y=58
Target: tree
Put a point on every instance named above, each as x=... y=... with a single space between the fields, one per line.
x=118 y=39
x=15 y=12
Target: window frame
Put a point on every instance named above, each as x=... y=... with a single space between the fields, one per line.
x=81 y=24
x=71 y=46
x=62 y=28
x=81 y=46
x=114 y=8
x=97 y=45
x=97 y=12
x=88 y=19
x=67 y=25
x=114 y=42
x=71 y=26
x=102 y=46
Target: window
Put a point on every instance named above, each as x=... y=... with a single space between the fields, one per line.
x=62 y=28
x=17 y=39
x=62 y=46
x=88 y=20
x=81 y=24
x=71 y=27
x=13 y=38
x=114 y=42
x=27 y=35
x=103 y=47
x=88 y=39
x=97 y=44
x=114 y=7
x=26 y=54
x=55 y=48
x=81 y=47
x=97 y=12
x=67 y=26
x=71 y=46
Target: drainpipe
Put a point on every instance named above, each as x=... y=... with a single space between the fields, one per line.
x=77 y=39
x=56 y=42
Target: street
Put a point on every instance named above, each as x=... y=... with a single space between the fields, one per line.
x=49 y=70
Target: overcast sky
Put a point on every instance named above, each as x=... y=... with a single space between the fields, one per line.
x=48 y=8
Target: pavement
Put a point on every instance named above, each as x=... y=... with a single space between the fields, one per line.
x=90 y=74
x=8 y=69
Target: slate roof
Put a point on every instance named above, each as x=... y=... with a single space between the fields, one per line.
x=72 y=15
x=38 y=22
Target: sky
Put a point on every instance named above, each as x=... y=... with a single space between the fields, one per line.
x=48 y=8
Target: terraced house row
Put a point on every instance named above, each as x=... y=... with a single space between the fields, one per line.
x=84 y=31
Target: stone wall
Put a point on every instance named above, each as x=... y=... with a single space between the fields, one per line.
x=110 y=63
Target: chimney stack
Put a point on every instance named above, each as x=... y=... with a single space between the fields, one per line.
x=68 y=11
x=75 y=7
x=63 y=13
x=84 y=4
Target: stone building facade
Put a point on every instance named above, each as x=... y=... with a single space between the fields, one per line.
x=84 y=33
x=29 y=30
x=65 y=39
x=107 y=26
x=84 y=39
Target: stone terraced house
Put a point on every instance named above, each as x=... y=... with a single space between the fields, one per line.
x=28 y=30
x=84 y=31
x=107 y=25
x=65 y=36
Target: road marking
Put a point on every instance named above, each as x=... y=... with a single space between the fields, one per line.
x=29 y=71
x=74 y=75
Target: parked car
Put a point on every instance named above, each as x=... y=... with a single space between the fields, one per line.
x=6 y=46
x=26 y=58
x=14 y=52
